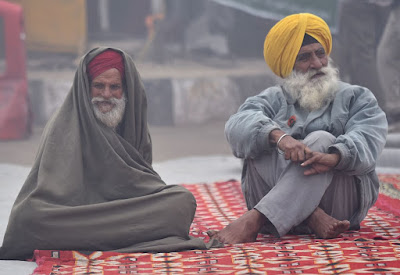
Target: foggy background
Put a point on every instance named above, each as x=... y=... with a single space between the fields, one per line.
x=198 y=59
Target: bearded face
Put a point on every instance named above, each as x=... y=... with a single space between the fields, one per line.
x=108 y=97
x=314 y=88
x=115 y=114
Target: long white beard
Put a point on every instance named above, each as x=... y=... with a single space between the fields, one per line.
x=313 y=94
x=113 y=117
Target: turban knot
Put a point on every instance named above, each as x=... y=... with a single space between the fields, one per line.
x=284 y=40
x=104 y=61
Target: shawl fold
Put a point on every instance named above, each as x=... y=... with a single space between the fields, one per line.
x=91 y=188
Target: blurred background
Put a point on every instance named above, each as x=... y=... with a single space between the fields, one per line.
x=199 y=60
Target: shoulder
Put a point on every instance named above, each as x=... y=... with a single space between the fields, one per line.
x=354 y=98
x=348 y=92
x=274 y=90
x=273 y=95
x=271 y=99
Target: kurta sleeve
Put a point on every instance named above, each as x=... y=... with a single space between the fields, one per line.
x=248 y=130
x=365 y=131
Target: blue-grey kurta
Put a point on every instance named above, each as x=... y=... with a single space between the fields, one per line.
x=353 y=117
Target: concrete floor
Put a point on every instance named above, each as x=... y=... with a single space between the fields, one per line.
x=168 y=143
x=176 y=142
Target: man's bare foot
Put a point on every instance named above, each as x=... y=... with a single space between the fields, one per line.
x=243 y=230
x=325 y=226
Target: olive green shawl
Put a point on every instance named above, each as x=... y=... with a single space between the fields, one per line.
x=91 y=188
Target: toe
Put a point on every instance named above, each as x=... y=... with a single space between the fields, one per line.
x=211 y=233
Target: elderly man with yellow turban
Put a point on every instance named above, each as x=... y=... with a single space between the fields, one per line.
x=309 y=145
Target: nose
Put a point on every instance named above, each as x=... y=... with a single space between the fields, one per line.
x=106 y=93
x=316 y=62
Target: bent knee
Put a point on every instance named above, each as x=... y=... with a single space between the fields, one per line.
x=319 y=141
x=182 y=197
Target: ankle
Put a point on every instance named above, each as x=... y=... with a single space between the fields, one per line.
x=315 y=216
x=256 y=219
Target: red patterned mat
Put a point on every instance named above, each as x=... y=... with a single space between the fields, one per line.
x=375 y=249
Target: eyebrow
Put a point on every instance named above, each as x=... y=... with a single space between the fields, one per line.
x=308 y=53
x=301 y=55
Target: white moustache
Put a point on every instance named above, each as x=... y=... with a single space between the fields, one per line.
x=112 y=100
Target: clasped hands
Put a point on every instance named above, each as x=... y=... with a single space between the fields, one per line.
x=296 y=151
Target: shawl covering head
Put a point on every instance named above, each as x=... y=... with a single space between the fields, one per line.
x=94 y=189
x=284 y=40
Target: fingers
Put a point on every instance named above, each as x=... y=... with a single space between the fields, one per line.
x=308 y=152
x=311 y=171
x=294 y=156
x=287 y=154
x=298 y=155
x=302 y=155
x=308 y=162
x=310 y=157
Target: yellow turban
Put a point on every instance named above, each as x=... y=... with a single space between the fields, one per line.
x=284 y=40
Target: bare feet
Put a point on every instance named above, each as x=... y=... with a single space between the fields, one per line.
x=325 y=226
x=243 y=230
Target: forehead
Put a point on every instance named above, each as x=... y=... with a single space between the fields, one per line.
x=310 y=48
x=111 y=75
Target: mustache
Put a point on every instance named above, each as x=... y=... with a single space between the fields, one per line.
x=313 y=72
x=328 y=70
x=112 y=100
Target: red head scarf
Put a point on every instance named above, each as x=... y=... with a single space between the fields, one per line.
x=106 y=60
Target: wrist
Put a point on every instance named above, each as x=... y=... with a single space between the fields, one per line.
x=335 y=154
x=277 y=143
x=274 y=135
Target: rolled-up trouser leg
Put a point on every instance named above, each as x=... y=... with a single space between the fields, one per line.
x=278 y=188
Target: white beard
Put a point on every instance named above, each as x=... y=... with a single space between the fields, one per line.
x=313 y=94
x=113 y=117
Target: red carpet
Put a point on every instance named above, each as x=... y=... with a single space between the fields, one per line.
x=374 y=249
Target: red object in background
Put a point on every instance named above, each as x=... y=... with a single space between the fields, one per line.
x=15 y=112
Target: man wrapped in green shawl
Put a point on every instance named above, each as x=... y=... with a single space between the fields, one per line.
x=92 y=186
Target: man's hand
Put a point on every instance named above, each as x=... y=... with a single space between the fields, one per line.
x=320 y=162
x=294 y=150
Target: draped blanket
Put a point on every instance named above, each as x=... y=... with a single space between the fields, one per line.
x=93 y=188
x=375 y=248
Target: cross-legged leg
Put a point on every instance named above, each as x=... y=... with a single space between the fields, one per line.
x=280 y=197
